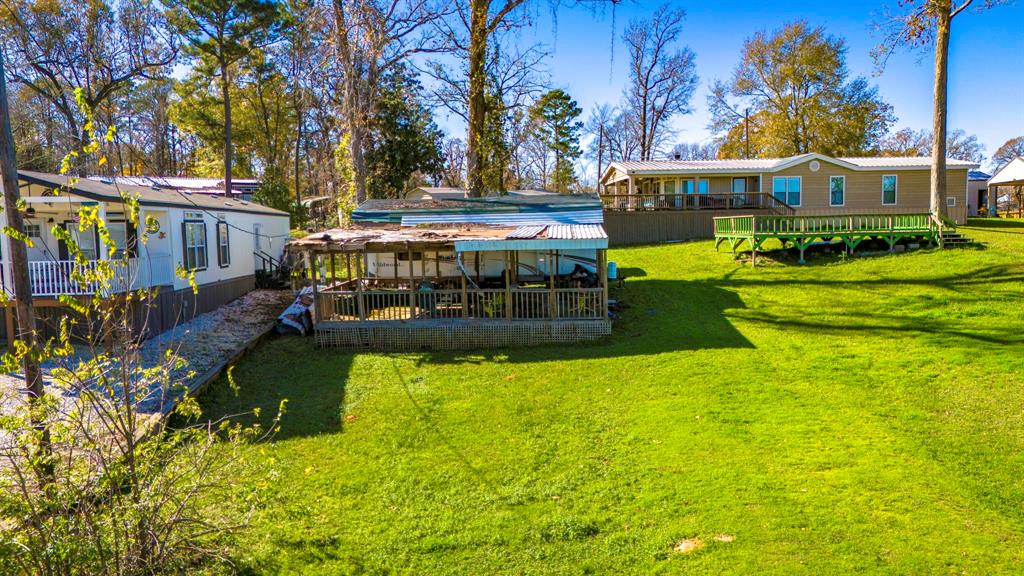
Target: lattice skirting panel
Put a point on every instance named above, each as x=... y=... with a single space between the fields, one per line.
x=457 y=335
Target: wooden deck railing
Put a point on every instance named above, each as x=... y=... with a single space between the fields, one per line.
x=772 y=225
x=480 y=304
x=646 y=202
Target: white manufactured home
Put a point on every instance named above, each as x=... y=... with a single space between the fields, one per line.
x=224 y=241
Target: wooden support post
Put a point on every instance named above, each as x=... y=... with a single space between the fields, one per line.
x=360 y=297
x=602 y=274
x=508 y=287
x=552 y=295
x=412 y=287
x=753 y=241
x=437 y=266
x=465 y=293
x=348 y=266
x=311 y=260
x=334 y=269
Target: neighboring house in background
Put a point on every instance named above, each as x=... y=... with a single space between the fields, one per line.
x=1008 y=186
x=977 y=193
x=243 y=188
x=441 y=193
x=225 y=241
x=810 y=184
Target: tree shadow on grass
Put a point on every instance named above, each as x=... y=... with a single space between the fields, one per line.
x=310 y=379
x=662 y=316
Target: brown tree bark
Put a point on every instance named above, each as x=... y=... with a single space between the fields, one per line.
x=477 y=101
x=943 y=19
x=18 y=257
x=226 y=93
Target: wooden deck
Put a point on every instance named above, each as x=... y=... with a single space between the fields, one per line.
x=802 y=231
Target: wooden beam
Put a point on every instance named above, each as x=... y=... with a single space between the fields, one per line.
x=602 y=274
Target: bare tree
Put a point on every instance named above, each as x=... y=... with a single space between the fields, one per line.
x=372 y=37
x=920 y=23
x=909 y=142
x=101 y=49
x=599 y=127
x=473 y=28
x=1010 y=149
x=662 y=79
x=454 y=153
x=695 y=151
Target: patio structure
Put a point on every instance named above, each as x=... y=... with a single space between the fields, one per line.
x=1006 y=190
x=461 y=277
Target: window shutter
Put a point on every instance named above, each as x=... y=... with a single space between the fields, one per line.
x=184 y=247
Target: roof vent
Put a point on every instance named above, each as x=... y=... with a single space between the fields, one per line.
x=815 y=166
x=677 y=156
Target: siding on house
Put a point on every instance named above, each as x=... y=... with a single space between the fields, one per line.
x=864 y=189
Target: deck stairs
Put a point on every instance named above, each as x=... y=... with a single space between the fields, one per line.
x=952 y=238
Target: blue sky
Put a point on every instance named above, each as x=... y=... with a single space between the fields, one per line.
x=986 y=74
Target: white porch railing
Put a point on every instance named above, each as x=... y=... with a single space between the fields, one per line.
x=52 y=278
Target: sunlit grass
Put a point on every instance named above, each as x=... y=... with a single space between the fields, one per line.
x=845 y=416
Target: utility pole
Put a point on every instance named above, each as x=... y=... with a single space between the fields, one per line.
x=18 y=257
x=746 y=133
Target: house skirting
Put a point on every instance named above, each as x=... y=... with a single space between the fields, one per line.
x=169 y=308
x=456 y=334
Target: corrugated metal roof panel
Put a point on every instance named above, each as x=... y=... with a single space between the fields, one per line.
x=526 y=232
x=509 y=218
x=531 y=244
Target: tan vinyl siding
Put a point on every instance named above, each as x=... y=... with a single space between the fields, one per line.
x=864 y=189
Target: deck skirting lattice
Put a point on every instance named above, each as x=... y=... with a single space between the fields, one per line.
x=456 y=335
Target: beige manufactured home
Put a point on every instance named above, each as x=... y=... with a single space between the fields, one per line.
x=810 y=184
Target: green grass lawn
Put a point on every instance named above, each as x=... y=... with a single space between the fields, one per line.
x=844 y=416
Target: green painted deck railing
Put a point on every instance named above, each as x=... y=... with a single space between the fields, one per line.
x=788 y=226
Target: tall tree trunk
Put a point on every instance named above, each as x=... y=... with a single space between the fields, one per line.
x=477 y=101
x=226 y=94
x=18 y=258
x=356 y=137
x=938 y=187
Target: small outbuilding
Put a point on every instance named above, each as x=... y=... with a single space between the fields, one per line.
x=1008 y=183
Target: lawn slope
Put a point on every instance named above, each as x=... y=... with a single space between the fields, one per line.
x=845 y=416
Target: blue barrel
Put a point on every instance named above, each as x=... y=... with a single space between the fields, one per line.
x=613 y=271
